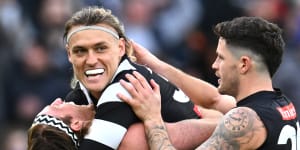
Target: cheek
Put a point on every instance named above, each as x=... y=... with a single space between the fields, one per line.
x=77 y=63
x=225 y=67
x=113 y=63
x=221 y=68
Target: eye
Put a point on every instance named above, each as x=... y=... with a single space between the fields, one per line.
x=100 y=48
x=217 y=60
x=220 y=57
x=79 y=51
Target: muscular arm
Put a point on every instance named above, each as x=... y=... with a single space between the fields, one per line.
x=157 y=136
x=240 y=128
x=184 y=135
x=201 y=92
x=146 y=104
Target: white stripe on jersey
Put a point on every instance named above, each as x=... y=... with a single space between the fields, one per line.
x=101 y=132
x=124 y=65
x=86 y=93
x=110 y=93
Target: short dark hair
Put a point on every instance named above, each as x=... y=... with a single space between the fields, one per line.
x=256 y=34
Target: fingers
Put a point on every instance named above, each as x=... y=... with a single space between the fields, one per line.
x=155 y=86
x=139 y=83
x=124 y=98
x=131 y=90
x=142 y=54
x=141 y=79
x=145 y=101
x=145 y=57
x=137 y=87
x=139 y=49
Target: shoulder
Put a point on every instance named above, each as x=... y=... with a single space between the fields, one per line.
x=240 y=128
x=241 y=120
x=244 y=125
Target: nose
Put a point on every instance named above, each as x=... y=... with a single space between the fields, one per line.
x=57 y=101
x=214 y=65
x=91 y=58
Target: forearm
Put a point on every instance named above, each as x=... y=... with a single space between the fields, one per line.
x=205 y=93
x=189 y=134
x=184 y=135
x=199 y=91
x=157 y=135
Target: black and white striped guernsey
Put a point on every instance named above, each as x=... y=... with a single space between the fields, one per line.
x=113 y=117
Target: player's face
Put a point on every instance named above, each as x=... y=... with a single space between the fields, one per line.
x=95 y=56
x=60 y=109
x=225 y=66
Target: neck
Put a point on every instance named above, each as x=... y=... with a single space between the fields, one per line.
x=251 y=85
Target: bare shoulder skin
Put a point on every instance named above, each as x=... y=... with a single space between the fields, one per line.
x=240 y=128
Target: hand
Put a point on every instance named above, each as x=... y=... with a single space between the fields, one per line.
x=146 y=100
x=144 y=56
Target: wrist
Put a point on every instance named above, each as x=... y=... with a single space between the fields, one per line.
x=150 y=123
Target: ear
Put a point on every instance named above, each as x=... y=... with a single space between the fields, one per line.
x=68 y=52
x=76 y=125
x=245 y=64
x=122 y=46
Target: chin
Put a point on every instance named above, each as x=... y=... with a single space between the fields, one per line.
x=95 y=87
x=221 y=90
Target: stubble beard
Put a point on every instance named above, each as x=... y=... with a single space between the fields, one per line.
x=229 y=88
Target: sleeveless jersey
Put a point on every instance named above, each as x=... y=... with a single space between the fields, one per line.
x=113 y=117
x=279 y=117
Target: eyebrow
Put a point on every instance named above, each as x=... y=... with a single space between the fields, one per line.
x=78 y=47
x=100 y=43
x=219 y=55
x=94 y=45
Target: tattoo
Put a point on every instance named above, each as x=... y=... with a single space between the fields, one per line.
x=158 y=138
x=235 y=130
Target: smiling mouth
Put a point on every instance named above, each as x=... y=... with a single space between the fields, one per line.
x=94 y=72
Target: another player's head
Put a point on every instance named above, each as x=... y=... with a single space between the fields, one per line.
x=60 y=126
x=95 y=43
x=252 y=41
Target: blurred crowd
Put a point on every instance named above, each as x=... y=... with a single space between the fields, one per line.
x=34 y=69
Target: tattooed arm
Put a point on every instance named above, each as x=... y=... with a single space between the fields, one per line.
x=146 y=104
x=240 y=128
x=186 y=134
x=157 y=135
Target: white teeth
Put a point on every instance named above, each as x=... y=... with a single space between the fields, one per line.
x=94 y=72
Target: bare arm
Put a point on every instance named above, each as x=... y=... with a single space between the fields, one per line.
x=204 y=94
x=148 y=110
x=240 y=128
x=189 y=134
x=186 y=134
